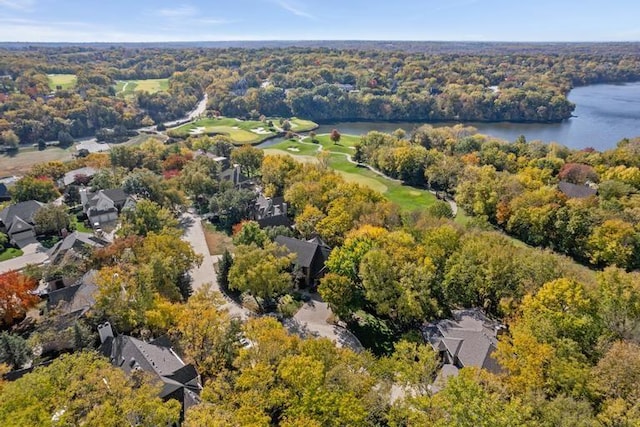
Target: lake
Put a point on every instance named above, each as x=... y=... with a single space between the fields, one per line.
x=605 y=114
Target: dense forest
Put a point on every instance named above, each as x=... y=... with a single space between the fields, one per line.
x=315 y=83
x=569 y=356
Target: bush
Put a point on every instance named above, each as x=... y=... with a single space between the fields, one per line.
x=287 y=306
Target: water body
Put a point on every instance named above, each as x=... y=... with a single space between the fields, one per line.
x=604 y=115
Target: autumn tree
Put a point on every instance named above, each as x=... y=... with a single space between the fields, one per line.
x=261 y=272
x=147 y=217
x=335 y=136
x=248 y=158
x=206 y=332
x=84 y=389
x=30 y=188
x=16 y=296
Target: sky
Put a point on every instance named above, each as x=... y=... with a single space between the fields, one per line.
x=215 y=20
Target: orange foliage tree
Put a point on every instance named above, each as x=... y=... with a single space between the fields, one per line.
x=15 y=296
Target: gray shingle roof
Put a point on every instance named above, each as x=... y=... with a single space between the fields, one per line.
x=77 y=241
x=23 y=210
x=575 y=191
x=470 y=338
x=304 y=251
x=179 y=381
x=70 y=177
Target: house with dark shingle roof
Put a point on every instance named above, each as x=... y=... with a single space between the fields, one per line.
x=17 y=220
x=5 y=196
x=575 y=191
x=311 y=256
x=104 y=206
x=468 y=339
x=74 y=301
x=71 y=177
x=75 y=245
x=179 y=381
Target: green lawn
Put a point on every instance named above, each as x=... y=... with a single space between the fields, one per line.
x=240 y=131
x=128 y=87
x=301 y=125
x=10 y=253
x=80 y=225
x=65 y=81
x=407 y=197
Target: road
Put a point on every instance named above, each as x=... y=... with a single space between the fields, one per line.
x=205 y=273
x=311 y=319
x=197 y=112
x=34 y=253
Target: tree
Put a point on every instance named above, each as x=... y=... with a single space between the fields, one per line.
x=618 y=296
x=207 y=334
x=65 y=138
x=222 y=270
x=440 y=209
x=286 y=126
x=250 y=233
x=14 y=350
x=52 y=219
x=335 y=136
x=615 y=242
x=248 y=158
x=30 y=188
x=261 y=272
x=274 y=172
x=16 y=296
x=232 y=206
x=147 y=217
x=10 y=139
x=84 y=389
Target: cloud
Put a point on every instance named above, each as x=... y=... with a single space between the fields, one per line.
x=294 y=9
x=20 y=5
x=177 y=12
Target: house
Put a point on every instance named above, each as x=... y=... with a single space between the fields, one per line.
x=104 y=206
x=311 y=256
x=17 y=220
x=268 y=207
x=74 y=246
x=74 y=301
x=67 y=261
x=5 y=196
x=179 y=381
x=71 y=177
x=574 y=191
x=228 y=172
x=468 y=339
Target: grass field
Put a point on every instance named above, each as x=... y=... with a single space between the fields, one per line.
x=20 y=162
x=408 y=198
x=128 y=87
x=241 y=132
x=65 y=81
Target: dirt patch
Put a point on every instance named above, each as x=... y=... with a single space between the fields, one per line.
x=217 y=241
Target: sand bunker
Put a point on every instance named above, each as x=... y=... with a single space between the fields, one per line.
x=260 y=131
x=197 y=131
x=293 y=149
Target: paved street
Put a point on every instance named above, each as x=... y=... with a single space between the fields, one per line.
x=34 y=253
x=194 y=234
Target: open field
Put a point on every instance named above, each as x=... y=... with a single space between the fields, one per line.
x=240 y=131
x=65 y=81
x=408 y=198
x=20 y=162
x=128 y=87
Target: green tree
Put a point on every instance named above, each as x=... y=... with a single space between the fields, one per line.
x=615 y=242
x=232 y=206
x=222 y=270
x=84 y=389
x=52 y=219
x=30 y=188
x=250 y=233
x=14 y=350
x=147 y=217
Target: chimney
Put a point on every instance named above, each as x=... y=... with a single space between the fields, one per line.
x=105 y=331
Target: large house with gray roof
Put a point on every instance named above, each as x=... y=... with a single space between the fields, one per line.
x=17 y=221
x=104 y=206
x=468 y=339
x=179 y=381
x=311 y=256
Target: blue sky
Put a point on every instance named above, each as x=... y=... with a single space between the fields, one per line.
x=199 y=20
